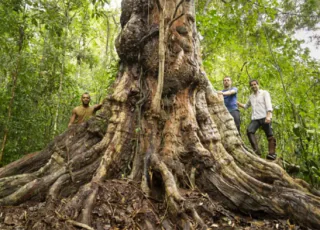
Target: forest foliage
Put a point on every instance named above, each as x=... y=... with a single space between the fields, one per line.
x=51 y=52
x=54 y=50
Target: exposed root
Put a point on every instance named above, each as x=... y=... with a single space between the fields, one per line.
x=88 y=206
x=120 y=204
x=32 y=188
x=54 y=190
x=198 y=219
x=168 y=179
x=25 y=164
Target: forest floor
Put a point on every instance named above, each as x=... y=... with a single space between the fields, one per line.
x=122 y=205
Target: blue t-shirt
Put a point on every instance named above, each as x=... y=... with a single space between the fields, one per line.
x=230 y=101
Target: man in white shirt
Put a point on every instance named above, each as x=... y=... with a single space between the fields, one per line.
x=260 y=101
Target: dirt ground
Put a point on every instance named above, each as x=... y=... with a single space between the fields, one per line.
x=122 y=205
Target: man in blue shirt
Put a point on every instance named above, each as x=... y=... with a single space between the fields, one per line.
x=230 y=100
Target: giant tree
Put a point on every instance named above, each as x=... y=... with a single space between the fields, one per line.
x=164 y=128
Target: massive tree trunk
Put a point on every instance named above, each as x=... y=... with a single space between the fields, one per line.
x=163 y=128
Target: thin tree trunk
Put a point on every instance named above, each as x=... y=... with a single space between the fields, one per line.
x=6 y=129
x=15 y=75
x=61 y=79
x=107 y=41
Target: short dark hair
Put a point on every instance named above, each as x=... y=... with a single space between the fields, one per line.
x=253 y=81
x=86 y=94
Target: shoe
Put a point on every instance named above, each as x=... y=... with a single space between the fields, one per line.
x=272 y=148
x=272 y=156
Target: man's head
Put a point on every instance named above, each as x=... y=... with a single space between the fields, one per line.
x=85 y=99
x=254 y=85
x=227 y=82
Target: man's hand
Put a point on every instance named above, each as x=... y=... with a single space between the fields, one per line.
x=97 y=107
x=268 y=120
x=240 y=104
x=220 y=95
x=268 y=117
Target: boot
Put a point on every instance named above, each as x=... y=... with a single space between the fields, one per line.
x=254 y=143
x=272 y=148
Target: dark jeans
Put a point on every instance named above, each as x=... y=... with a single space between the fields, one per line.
x=236 y=117
x=255 y=124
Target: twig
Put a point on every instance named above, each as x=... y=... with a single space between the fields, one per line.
x=110 y=206
x=248 y=72
x=165 y=213
x=75 y=223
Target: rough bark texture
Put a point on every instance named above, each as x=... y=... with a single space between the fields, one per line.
x=177 y=159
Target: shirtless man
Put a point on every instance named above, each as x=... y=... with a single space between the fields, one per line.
x=83 y=112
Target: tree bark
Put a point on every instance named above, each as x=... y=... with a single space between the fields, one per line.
x=190 y=144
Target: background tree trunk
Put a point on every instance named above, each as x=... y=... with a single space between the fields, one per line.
x=15 y=73
x=184 y=154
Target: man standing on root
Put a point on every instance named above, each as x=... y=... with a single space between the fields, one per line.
x=230 y=100
x=83 y=112
x=260 y=101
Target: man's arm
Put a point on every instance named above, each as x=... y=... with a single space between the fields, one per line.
x=97 y=107
x=229 y=92
x=267 y=99
x=268 y=117
x=244 y=106
x=72 y=118
x=240 y=104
